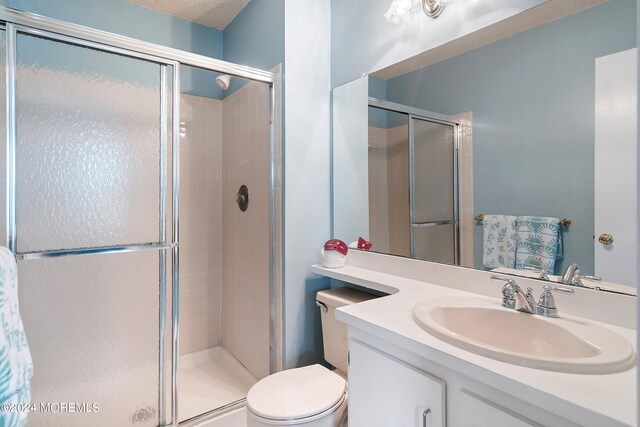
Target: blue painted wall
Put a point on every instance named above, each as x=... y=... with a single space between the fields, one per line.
x=377 y=89
x=532 y=98
x=307 y=186
x=120 y=17
x=255 y=38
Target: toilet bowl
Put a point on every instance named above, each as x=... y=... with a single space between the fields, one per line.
x=311 y=396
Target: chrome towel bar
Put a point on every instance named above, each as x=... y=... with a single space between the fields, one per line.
x=565 y=222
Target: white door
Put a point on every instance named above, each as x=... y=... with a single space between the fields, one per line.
x=616 y=168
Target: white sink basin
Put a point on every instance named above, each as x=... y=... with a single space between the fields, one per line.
x=564 y=344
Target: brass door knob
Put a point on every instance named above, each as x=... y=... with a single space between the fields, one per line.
x=605 y=239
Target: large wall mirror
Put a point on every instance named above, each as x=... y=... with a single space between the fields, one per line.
x=518 y=156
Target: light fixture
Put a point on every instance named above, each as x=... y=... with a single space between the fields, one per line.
x=400 y=10
x=433 y=8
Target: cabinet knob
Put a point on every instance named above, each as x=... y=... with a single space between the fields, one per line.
x=424 y=417
x=605 y=239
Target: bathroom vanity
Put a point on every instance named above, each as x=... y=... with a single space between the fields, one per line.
x=401 y=374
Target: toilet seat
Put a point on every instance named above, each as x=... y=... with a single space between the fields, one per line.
x=326 y=418
x=297 y=396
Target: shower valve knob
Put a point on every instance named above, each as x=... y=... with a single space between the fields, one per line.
x=242 y=198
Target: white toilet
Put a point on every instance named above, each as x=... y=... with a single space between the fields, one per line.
x=312 y=396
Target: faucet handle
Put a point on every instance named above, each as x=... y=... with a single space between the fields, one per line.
x=504 y=279
x=558 y=289
x=509 y=291
x=509 y=288
x=543 y=274
x=577 y=280
x=548 y=303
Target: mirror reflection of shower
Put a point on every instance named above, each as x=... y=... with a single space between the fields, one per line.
x=223 y=81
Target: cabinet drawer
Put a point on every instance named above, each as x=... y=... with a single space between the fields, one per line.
x=384 y=391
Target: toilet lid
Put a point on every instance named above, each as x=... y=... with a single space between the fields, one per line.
x=296 y=393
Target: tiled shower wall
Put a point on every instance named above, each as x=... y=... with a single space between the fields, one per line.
x=245 y=247
x=224 y=260
x=200 y=223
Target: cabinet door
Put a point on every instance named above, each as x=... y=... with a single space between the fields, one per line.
x=384 y=391
x=480 y=412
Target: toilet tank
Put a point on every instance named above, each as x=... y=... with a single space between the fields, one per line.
x=334 y=332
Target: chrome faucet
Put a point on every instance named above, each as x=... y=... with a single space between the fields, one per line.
x=515 y=298
x=573 y=277
x=570 y=273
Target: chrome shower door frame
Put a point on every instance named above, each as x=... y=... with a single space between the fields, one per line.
x=16 y=22
x=412 y=114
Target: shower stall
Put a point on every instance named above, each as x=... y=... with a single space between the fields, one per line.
x=413 y=182
x=145 y=221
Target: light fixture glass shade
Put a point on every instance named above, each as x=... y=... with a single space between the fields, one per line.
x=399 y=12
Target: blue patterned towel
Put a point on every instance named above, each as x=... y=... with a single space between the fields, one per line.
x=499 y=241
x=16 y=367
x=539 y=242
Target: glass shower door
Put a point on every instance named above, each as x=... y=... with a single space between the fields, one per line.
x=92 y=167
x=433 y=186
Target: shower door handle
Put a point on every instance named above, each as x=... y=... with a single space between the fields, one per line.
x=433 y=223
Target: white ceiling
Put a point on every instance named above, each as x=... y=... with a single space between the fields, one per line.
x=212 y=13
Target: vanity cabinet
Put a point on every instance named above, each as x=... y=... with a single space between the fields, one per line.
x=389 y=386
x=389 y=392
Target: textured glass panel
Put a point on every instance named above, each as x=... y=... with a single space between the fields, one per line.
x=3 y=137
x=88 y=153
x=92 y=324
x=433 y=171
x=435 y=243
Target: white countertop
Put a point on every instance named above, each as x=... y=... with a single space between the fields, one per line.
x=608 y=399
